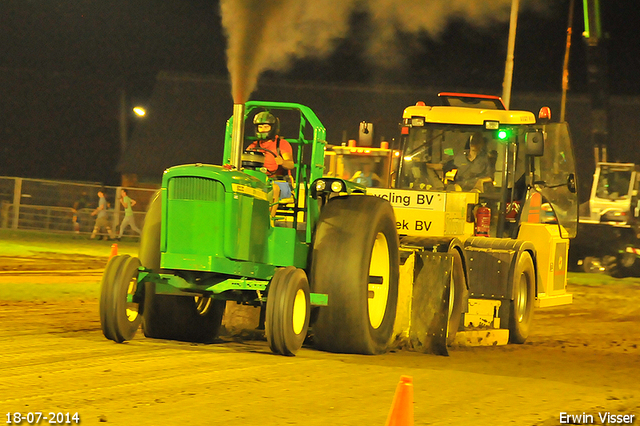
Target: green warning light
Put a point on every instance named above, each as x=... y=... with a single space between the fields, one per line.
x=502 y=135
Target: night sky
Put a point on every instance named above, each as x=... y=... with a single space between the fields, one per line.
x=63 y=63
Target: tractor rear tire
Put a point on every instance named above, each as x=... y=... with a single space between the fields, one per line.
x=183 y=318
x=288 y=311
x=355 y=262
x=520 y=308
x=149 y=251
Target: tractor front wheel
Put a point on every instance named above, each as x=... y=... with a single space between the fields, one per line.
x=288 y=311
x=120 y=318
x=106 y=305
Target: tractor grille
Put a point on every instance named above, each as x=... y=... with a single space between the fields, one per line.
x=195 y=188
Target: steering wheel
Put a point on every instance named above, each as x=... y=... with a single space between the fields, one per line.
x=261 y=149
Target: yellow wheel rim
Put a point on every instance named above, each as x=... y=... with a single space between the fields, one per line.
x=132 y=308
x=521 y=300
x=379 y=293
x=299 y=311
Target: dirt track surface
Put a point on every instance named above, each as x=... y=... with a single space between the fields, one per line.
x=580 y=358
x=44 y=261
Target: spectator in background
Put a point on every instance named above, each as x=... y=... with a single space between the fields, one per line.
x=102 y=218
x=75 y=211
x=129 y=219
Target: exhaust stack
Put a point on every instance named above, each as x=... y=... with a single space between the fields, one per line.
x=237 y=135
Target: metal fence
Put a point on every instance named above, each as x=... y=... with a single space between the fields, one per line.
x=50 y=206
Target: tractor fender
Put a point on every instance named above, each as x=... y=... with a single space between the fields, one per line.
x=490 y=264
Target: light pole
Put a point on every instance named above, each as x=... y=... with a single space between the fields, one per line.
x=508 y=69
x=140 y=111
x=565 y=67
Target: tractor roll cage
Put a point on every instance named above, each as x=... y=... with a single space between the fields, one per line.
x=305 y=171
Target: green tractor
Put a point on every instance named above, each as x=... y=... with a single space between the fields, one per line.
x=328 y=260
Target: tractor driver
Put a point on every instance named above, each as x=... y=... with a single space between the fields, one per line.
x=473 y=164
x=278 y=155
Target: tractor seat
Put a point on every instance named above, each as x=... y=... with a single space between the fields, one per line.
x=285 y=213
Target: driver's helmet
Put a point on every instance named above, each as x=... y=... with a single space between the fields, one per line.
x=265 y=117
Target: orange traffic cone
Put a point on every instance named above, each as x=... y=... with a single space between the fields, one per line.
x=401 y=413
x=114 y=250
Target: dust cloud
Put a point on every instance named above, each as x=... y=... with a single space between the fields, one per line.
x=269 y=34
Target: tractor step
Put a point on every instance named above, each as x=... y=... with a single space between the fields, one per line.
x=544 y=301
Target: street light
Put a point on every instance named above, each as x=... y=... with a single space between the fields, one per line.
x=140 y=111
